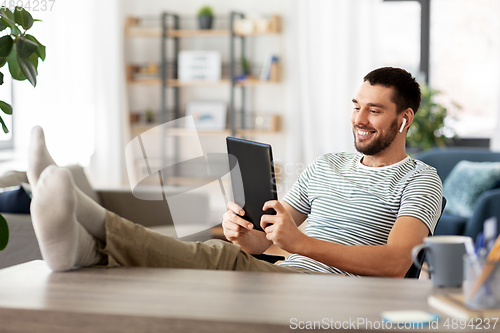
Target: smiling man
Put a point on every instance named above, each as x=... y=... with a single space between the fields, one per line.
x=365 y=211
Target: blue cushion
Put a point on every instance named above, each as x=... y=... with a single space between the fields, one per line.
x=466 y=182
x=15 y=200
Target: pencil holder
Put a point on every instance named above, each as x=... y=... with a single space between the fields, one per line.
x=482 y=283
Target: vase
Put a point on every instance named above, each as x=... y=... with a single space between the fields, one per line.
x=205 y=22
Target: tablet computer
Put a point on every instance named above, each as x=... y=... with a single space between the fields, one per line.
x=255 y=161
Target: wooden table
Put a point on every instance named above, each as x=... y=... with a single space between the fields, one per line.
x=129 y=299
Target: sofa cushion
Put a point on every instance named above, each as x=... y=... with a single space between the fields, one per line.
x=450 y=225
x=466 y=182
x=14 y=178
x=15 y=200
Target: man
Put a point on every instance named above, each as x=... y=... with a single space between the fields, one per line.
x=365 y=211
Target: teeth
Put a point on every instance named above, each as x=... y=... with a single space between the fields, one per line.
x=363 y=132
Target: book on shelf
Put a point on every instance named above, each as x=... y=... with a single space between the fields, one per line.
x=453 y=306
x=270 y=69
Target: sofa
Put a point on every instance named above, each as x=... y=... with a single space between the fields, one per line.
x=23 y=246
x=486 y=205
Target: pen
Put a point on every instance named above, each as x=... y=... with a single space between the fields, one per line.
x=479 y=243
x=491 y=260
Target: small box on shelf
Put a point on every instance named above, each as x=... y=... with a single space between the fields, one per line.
x=256 y=26
x=145 y=73
x=199 y=65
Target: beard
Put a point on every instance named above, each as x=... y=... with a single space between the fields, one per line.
x=378 y=144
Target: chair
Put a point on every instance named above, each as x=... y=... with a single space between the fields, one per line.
x=412 y=273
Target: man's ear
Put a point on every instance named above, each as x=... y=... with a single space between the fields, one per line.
x=409 y=115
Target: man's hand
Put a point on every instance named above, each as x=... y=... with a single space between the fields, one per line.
x=235 y=228
x=281 y=229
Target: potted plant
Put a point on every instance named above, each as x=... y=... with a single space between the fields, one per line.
x=205 y=17
x=428 y=127
x=21 y=52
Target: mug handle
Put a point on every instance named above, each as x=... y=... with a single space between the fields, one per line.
x=414 y=254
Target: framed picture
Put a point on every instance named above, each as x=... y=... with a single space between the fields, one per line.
x=207 y=115
x=199 y=65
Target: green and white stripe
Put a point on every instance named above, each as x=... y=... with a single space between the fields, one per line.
x=350 y=203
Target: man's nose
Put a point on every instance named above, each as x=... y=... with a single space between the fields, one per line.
x=361 y=118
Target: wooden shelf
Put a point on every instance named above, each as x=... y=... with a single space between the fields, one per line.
x=138 y=129
x=254 y=82
x=177 y=83
x=198 y=33
x=156 y=32
x=200 y=83
x=134 y=29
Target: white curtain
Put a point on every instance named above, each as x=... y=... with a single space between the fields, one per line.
x=495 y=141
x=79 y=96
x=329 y=50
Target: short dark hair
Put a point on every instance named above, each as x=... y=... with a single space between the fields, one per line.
x=406 y=89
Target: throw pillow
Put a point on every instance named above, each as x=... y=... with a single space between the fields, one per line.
x=466 y=182
x=13 y=178
x=15 y=200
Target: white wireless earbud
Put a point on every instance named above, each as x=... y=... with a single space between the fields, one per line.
x=402 y=126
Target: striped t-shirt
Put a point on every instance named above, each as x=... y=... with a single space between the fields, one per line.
x=349 y=203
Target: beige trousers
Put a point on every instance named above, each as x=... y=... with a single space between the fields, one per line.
x=130 y=244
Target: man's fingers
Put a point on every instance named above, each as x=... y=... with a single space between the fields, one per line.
x=266 y=221
x=276 y=205
x=235 y=208
x=232 y=217
x=233 y=226
x=232 y=235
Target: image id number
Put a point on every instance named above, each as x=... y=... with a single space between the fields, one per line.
x=29 y=5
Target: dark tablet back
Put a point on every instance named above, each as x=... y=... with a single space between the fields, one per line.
x=255 y=161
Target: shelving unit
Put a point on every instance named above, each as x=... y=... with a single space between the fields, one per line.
x=170 y=108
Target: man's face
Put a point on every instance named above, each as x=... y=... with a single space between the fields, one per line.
x=374 y=119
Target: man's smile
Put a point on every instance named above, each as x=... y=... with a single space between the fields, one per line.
x=364 y=134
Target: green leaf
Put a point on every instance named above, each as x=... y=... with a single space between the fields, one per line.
x=1 y=78
x=7 y=18
x=14 y=68
x=4 y=228
x=3 y=61
x=6 y=44
x=28 y=70
x=6 y=108
x=25 y=47
x=23 y=18
x=34 y=60
x=5 y=129
x=14 y=29
x=3 y=25
x=7 y=13
x=40 y=51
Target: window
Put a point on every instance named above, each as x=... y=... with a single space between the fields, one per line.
x=6 y=140
x=464 y=56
